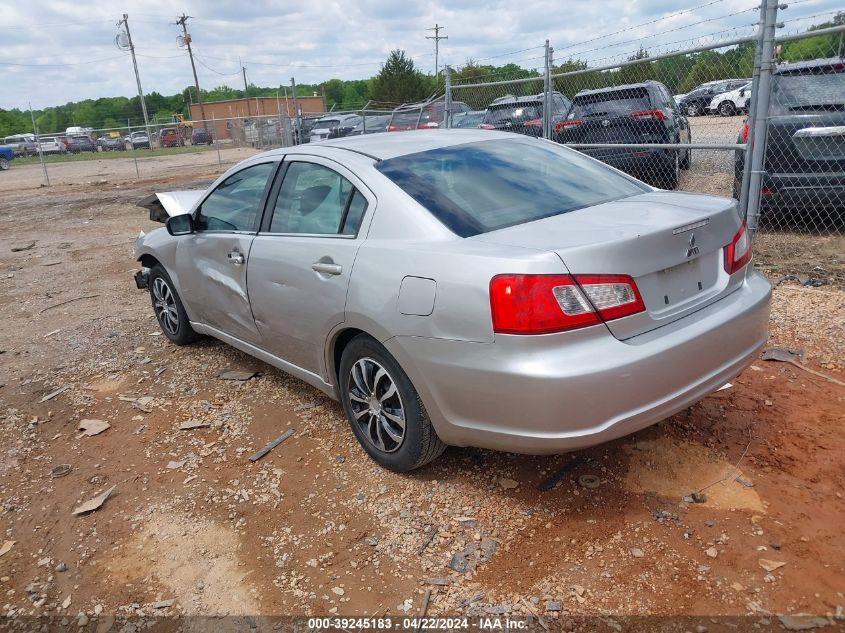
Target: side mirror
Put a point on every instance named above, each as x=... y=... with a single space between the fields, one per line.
x=180 y=224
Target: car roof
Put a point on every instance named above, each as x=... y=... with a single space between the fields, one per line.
x=395 y=144
x=598 y=91
x=785 y=69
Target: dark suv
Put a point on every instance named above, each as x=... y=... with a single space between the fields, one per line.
x=524 y=115
x=695 y=102
x=634 y=113
x=805 y=147
x=81 y=143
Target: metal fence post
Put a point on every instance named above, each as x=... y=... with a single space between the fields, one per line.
x=216 y=141
x=547 y=91
x=297 y=140
x=752 y=113
x=757 y=135
x=447 y=99
x=132 y=145
x=38 y=143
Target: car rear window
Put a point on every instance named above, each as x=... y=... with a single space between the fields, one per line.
x=514 y=112
x=820 y=89
x=326 y=123
x=484 y=186
x=409 y=118
x=611 y=103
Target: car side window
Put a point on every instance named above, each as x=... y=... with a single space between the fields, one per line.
x=316 y=200
x=233 y=205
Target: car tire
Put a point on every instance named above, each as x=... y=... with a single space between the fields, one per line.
x=4 y=163
x=726 y=108
x=693 y=109
x=671 y=173
x=372 y=386
x=168 y=308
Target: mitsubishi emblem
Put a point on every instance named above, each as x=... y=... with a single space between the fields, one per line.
x=605 y=123
x=692 y=248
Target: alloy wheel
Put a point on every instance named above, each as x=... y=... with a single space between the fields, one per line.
x=376 y=405
x=164 y=304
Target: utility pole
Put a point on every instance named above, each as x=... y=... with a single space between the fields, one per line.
x=246 y=96
x=436 y=37
x=183 y=21
x=125 y=24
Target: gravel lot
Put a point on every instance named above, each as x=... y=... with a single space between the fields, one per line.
x=192 y=527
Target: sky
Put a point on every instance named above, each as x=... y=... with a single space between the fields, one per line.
x=56 y=51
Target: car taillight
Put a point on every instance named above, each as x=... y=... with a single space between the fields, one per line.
x=745 y=132
x=542 y=304
x=392 y=128
x=487 y=126
x=562 y=125
x=430 y=124
x=534 y=122
x=655 y=115
x=738 y=252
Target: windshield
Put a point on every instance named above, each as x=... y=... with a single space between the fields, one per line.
x=473 y=119
x=479 y=187
x=809 y=92
x=614 y=103
x=406 y=119
x=326 y=123
x=514 y=112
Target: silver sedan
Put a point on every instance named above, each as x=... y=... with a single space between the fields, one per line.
x=461 y=287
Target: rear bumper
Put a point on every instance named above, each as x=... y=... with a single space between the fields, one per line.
x=633 y=161
x=804 y=192
x=561 y=392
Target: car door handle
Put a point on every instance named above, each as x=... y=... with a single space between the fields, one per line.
x=235 y=258
x=326 y=268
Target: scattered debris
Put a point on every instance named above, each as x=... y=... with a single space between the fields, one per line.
x=304 y=406
x=712 y=552
x=796 y=357
x=589 y=481
x=508 y=484
x=553 y=480
x=553 y=605
x=144 y=403
x=440 y=582
x=430 y=533
x=93 y=427
x=53 y=394
x=271 y=446
x=66 y=602
x=770 y=565
x=18 y=249
x=424 y=609
x=6 y=547
x=636 y=552
x=372 y=541
x=56 y=305
x=173 y=465
x=234 y=374
x=193 y=424
x=60 y=471
x=727 y=385
x=801 y=622
x=95 y=503
x=744 y=482
x=338 y=591
x=61 y=567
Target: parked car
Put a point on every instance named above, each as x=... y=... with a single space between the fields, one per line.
x=51 y=145
x=524 y=115
x=22 y=144
x=330 y=126
x=731 y=102
x=805 y=154
x=303 y=134
x=695 y=102
x=170 y=137
x=507 y=292
x=371 y=125
x=137 y=140
x=422 y=116
x=633 y=113
x=465 y=120
x=7 y=155
x=80 y=143
x=201 y=136
x=110 y=144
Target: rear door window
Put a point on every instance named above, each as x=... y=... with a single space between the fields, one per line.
x=612 y=103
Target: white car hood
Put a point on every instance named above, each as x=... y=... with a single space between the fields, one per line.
x=169 y=203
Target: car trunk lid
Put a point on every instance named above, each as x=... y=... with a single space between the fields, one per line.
x=671 y=244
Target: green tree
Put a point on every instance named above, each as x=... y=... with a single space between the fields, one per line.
x=399 y=81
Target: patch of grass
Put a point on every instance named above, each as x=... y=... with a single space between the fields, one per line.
x=140 y=153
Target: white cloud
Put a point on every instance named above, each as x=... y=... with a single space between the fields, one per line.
x=320 y=40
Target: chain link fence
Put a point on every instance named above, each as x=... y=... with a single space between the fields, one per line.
x=751 y=115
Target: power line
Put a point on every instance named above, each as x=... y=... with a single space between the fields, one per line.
x=636 y=26
x=49 y=65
